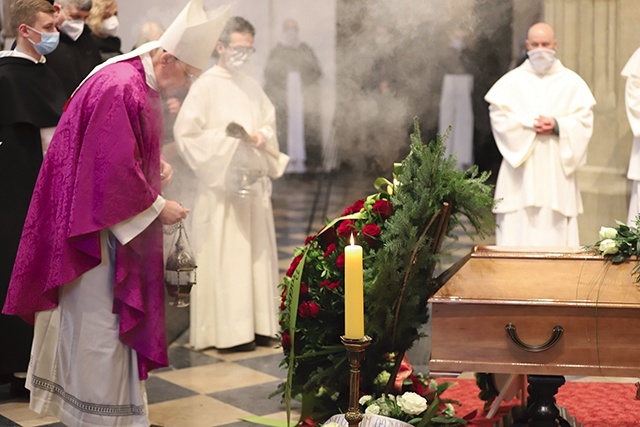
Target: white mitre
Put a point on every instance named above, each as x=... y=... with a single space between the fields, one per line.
x=192 y=36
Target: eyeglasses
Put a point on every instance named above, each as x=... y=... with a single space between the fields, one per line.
x=245 y=50
x=190 y=76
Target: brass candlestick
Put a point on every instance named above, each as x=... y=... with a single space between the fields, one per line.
x=355 y=353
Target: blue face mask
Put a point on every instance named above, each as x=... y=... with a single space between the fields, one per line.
x=48 y=42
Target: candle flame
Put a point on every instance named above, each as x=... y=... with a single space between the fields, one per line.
x=351 y=240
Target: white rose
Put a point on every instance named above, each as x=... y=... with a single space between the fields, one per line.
x=608 y=233
x=608 y=247
x=364 y=399
x=412 y=403
x=372 y=409
x=331 y=424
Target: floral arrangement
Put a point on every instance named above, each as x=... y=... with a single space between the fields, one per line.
x=619 y=243
x=401 y=228
x=409 y=407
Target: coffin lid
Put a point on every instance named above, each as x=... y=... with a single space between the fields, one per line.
x=539 y=276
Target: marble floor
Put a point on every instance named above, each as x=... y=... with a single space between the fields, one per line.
x=209 y=388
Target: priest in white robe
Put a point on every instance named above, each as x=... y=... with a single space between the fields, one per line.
x=542 y=121
x=233 y=232
x=631 y=72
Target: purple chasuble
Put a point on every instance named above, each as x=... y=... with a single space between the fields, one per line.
x=102 y=167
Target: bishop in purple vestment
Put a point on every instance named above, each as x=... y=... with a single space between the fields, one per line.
x=103 y=168
x=89 y=269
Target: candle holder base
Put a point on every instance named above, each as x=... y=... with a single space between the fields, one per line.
x=355 y=353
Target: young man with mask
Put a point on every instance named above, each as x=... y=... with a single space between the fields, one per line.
x=542 y=121
x=234 y=305
x=89 y=267
x=30 y=107
x=77 y=53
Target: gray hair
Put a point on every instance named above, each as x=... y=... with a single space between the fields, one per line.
x=83 y=5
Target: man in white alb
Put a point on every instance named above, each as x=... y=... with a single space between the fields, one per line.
x=542 y=121
x=234 y=306
x=631 y=72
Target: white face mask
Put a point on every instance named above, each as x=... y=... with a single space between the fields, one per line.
x=235 y=59
x=72 y=28
x=290 y=38
x=542 y=59
x=110 y=26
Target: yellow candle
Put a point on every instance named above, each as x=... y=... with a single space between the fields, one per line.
x=353 y=292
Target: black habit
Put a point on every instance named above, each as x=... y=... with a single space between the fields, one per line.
x=73 y=60
x=32 y=98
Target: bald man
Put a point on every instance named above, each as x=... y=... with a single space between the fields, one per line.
x=542 y=121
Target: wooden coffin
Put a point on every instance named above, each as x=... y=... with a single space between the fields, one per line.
x=593 y=305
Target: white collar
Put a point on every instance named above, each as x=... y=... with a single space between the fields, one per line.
x=149 y=72
x=18 y=54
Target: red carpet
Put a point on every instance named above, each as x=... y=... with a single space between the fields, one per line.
x=592 y=404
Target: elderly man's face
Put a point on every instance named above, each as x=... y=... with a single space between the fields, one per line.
x=173 y=75
x=541 y=38
x=71 y=14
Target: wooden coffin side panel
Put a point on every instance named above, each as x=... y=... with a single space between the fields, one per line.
x=595 y=341
x=572 y=279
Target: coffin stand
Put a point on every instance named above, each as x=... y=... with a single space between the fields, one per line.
x=541 y=313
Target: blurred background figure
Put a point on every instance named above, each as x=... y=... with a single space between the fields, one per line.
x=103 y=22
x=455 y=103
x=77 y=54
x=383 y=107
x=291 y=77
x=149 y=31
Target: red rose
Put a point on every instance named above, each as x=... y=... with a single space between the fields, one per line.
x=340 y=261
x=382 y=207
x=371 y=232
x=283 y=306
x=418 y=386
x=310 y=239
x=309 y=422
x=346 y=228
x=294 y=265
x=304 y=289
x=334 y=285
x=325 y=283
x=355 y=208
x=286 y=340
x=332 y=247
x=327 y=237
x=309 y=310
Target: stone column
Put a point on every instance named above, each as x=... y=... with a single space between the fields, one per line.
x=595 y=39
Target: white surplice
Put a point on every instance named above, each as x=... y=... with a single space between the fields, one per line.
x=539 y=171
x=631 y=72
x=233 y=234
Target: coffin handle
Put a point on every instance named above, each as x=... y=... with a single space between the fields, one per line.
x=555 y=337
